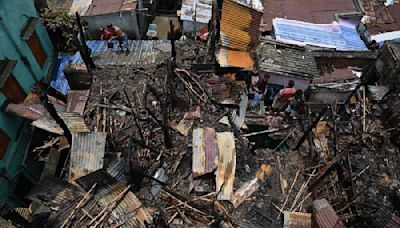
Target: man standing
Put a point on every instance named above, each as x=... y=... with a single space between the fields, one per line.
x=119 y=35
x=259 y=88
x=284 y=96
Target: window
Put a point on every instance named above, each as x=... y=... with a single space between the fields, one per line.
x=9 y=86
x=29 y=34
x=4 y=140
x=37 y=49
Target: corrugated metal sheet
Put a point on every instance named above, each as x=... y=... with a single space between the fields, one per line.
x=231 y=58
x=104 y=182
x=385 y=218
x=296 y=220
x=76 y=101
x=142 y=52
x=108 y=188
x=240 y=26
x=48 y=124
x=377 y=92
x=382 y=37
x=87 y=153
x=59 y=106
x=325 y=216
x=225 y=174
x=205 y=151
x=24 y=212
x=74 y=121
x=6 y=223
x=341 y=35
x=53 y=192
x=201 y=9
x=119 y=170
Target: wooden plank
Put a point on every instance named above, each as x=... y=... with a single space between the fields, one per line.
x=225 y=174
x=50 y=166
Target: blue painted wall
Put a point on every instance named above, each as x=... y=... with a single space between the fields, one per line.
x=13 y=17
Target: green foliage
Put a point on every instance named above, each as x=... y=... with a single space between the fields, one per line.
x=59 y=19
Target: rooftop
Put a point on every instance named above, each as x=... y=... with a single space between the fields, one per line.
x=383 y=18
x=314 y=11
x=100 y=7
x=280 y=58
x=340 y=35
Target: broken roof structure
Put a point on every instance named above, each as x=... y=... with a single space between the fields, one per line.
x=340 y=35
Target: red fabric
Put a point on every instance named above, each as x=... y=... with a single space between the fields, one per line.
x=285 y=94
x=106 y=34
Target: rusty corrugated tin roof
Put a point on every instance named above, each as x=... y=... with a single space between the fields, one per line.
x=205 y=151
x=76 y=101
x=297 y=220
x=232 y=58
x=74 y=121
x=225 y=173
x=239 y=26
x=87 y=153
x=325 y=216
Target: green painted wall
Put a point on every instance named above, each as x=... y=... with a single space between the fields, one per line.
x=13 y=17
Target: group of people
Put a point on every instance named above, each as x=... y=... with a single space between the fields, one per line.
x=287 y=99
x=113 y=32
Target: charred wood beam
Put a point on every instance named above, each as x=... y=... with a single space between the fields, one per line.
x=165 y=107
x=135 y=117
x=172 y=38
x=310 y=127
x=142 y=144
x=83 y=48
x=327 y=168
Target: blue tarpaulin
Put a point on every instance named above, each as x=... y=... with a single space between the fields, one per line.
x=340 y=35
x=59 y=81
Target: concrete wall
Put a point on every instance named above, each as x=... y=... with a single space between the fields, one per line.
x=127 y=21
x=13 y=17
